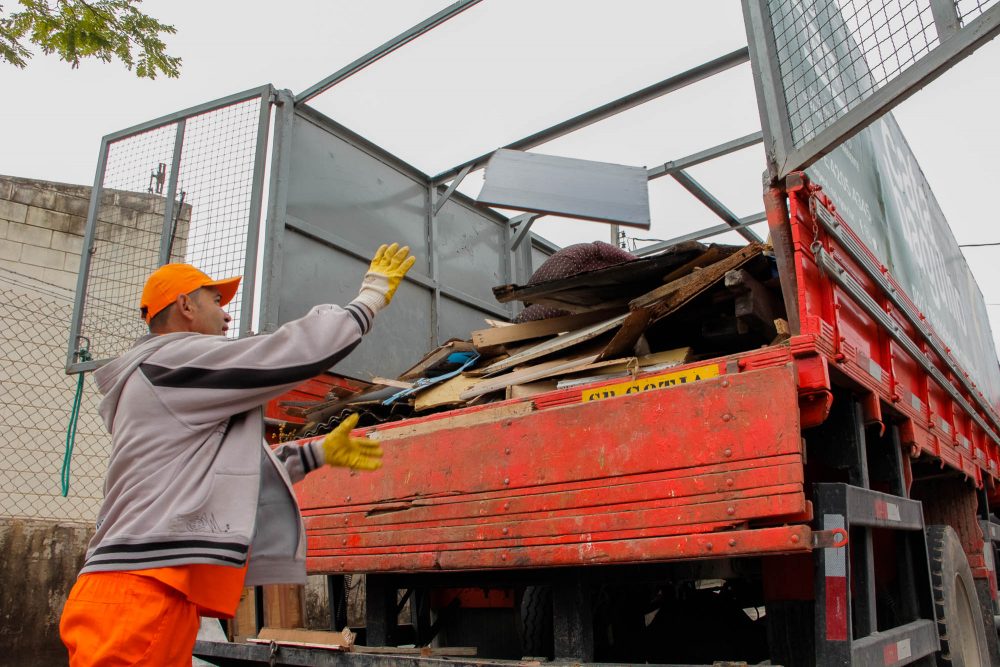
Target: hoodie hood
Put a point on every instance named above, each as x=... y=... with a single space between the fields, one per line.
x=111 y=377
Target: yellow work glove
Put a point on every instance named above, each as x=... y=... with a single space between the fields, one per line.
x=384 y=275
x=340 y=449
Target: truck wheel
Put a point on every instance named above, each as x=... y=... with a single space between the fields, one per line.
x=960 y=622
x=536 y=622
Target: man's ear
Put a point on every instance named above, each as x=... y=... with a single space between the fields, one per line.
x=184 y=306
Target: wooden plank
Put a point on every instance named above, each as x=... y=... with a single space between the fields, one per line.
x=387 y=382
x=557 y=344
x=515 y=333
x=623 y=343
x=722 y=544
x=530 y=389
x=244 y=623
x=284 y=606
x=435 y=357
x=343 y=640
x=444 y=393
x=674 y=485
x=537 y=372
x=597 y=525
x=734 y=417
x=667 y=298
x=710 y=256
x=508 y=411
x=423 y=651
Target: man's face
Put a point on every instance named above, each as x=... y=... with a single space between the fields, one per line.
x=209 y=317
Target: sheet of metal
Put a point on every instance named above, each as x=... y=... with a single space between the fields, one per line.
x=470 y=252
x=565 y=186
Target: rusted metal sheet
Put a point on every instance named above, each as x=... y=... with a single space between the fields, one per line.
x=612 y=472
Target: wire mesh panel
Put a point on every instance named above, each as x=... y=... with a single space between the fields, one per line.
x=37 y=398
x=183 y=190
x=828 y=68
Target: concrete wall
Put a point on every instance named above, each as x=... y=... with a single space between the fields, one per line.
x=39 y=561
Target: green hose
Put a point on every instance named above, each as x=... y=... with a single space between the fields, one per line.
x=74 y=415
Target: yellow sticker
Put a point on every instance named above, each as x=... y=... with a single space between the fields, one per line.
x=650 y=383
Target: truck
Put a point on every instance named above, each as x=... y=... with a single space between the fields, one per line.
x=827 y=498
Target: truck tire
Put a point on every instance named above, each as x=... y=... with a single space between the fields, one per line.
x=536 y=622
x=960 y=622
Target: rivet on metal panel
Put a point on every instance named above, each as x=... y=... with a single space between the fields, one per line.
x=727 y=453
x=730 y=510
x=347 y=499
x=506 y=480
x=725 y=383
x=506 y=506
x=729 y=481
x=503 y=556
x=795 y=539
x=732 y=542
x=726 y=417
x=344 y=541
x=709 y=546
x=345 y=520
x=506 y=450
x=504 y=531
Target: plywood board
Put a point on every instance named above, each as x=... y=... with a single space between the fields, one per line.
x=557 y=344
x=306 y=638
x=445 y=393
x=515 y=333
x=486 y=415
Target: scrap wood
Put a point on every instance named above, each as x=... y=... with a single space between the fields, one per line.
x=435 y=358
x=531 y=389
x=515 y=333
x=433 y=424
x=422 y=651
x=627 y=336
x=446 y=393
x=386 y=382
x=557 y=344
x=334 y=641
x=714 y=254
x=665 y=299
x=580 y=364
x=611 y=285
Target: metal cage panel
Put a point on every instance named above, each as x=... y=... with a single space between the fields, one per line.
x=183 y=188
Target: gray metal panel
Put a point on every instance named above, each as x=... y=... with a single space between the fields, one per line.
x=336 y=185
x=470 y=250
x=316 y=273
x=566 y=186
x=459 y=320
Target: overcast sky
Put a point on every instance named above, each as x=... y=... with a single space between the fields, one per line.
x=501 y=70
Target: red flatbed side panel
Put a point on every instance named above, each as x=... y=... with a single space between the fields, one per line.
x=643 y=470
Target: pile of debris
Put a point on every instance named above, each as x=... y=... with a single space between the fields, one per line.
x=688 y=302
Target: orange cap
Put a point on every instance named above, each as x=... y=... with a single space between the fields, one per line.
x=171 y=280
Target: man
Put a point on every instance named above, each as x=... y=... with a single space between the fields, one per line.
x=196 y=504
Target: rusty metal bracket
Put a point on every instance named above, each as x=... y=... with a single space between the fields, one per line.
x=829 y=539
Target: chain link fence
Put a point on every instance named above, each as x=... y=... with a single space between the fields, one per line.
x=37 y=397
x=187 y=190
x=833 y=54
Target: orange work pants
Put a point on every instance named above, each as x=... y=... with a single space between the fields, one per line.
x=118 y=618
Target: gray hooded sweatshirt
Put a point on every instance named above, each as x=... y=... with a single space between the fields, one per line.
x=191 y=479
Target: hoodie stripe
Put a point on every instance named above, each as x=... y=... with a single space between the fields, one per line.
x=246 y=378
